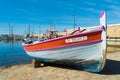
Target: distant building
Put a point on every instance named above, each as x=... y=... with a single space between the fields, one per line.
x=113 y=31
x=11 y=37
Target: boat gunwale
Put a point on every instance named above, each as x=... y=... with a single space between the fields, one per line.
x=83 y=33
x=84 y=43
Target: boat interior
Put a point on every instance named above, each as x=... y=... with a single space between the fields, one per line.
x=52 y=34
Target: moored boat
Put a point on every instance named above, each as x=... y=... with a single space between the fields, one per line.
x=85 y=49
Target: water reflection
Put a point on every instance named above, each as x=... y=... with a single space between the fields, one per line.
x=11 y=53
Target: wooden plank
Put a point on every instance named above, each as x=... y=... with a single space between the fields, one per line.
x=36 y=63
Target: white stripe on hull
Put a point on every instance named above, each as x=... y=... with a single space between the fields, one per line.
x=86 y=52
x=85 y=55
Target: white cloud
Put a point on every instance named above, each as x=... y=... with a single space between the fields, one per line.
x=90 y=3
x=112 y=1
x=115 y=10
x=113 y=15
x=89 y=9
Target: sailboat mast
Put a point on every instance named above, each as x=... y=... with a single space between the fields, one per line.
x=9 y=28
x=74 y=19
x=51 y=24
x=54 y=27
x=39 y=29
x=29 y=29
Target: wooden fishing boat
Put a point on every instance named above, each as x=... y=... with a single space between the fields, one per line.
x=85 y=49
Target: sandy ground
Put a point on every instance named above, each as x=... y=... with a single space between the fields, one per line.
x=53 y=72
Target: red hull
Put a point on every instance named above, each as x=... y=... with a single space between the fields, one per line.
x=91 y=36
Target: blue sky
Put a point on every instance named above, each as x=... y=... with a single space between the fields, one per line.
x=21 y=13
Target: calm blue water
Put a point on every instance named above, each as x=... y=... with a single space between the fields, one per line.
x=12 y=53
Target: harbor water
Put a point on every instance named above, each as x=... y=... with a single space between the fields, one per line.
x=12 y=53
